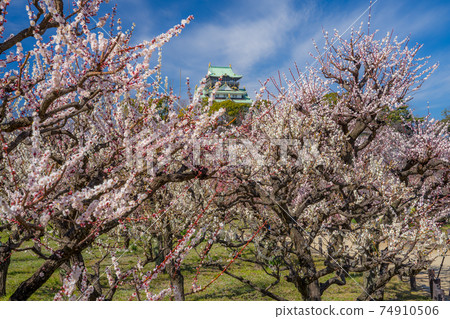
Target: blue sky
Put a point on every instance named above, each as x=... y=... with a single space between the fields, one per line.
x=261 y=37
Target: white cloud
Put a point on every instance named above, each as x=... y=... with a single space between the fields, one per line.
x=261 y=37
x=242 y=41
x=246 y=37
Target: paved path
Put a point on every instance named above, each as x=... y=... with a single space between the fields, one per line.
x=422 y=278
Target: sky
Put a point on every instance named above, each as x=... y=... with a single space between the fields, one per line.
x=259 y=38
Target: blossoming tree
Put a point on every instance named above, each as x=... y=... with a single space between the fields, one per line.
x=90 y=144
x=83 y=143
x=327 y=164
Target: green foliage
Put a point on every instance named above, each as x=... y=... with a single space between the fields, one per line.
x=232 y=108
x=331 y=98
x=400 y=115
x=276 y=261
x=446 y=115
x=234 y=112
x=446 y=119
x=262 y=104
x=162 y=106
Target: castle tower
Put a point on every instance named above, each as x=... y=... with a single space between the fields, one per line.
x=229 y=89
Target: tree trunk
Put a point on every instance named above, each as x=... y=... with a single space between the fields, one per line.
x=63 y=271
x=369 y=283
x=5 y=260
x=313 y=292
x=375 y=280
x=176 y=278
x=78 y=241
x=40 y=277
x=177 y=283
x=379 y=293
x=412 y=283
x=126 y=239
x=92 y=279
x=371 y=277
x=310 y=290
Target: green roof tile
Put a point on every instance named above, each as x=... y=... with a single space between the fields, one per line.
x=218 y=71
x=225 y=92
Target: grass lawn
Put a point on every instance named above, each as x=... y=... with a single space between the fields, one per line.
x=23 y=264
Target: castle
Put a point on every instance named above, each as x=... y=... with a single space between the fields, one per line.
x=229 y=89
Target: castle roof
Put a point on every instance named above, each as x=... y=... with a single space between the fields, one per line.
x=219 y=71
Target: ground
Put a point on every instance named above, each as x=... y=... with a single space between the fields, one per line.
x=422 y=278
x=225 y=288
